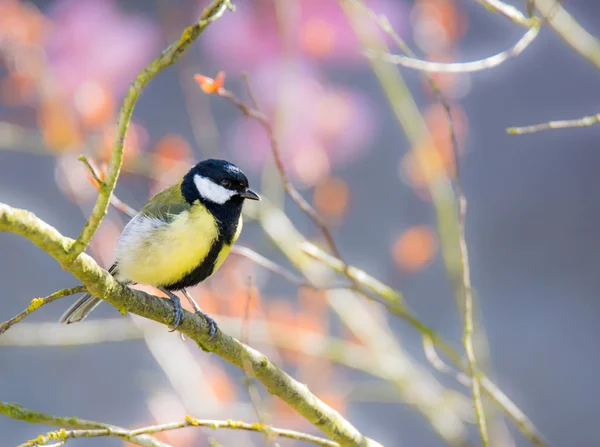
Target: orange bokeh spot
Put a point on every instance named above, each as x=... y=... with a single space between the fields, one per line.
x=95 y=104
x=312 y=301
x=426 y=163
x=311 y=323
x=209 y=302
x=334 y=114
x=311 y=163
x=282 y=313
x=437 y=123
x=331 y=197
x=59 y=129
x=17 y=89
x=445 y=14
x=22 y=22
x=240 y=301
x=172 y=150
x=415 y=248
x=221 y=384
x=317 y=37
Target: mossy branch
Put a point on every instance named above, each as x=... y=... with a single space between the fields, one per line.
x=82 y=428
x=168 y=57
x=16 y=411
x=102 y=285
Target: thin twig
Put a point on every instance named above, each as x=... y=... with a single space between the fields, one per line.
x=508 y=11
x=467 y=290
x=247 y=366
x=39 y=302
x=99 y=183
x=168 y=57
x=114 y=200
x=16 y=411
x=272 y=266
x=458 y=67
x=586 y=121
x=438 y=363
x=290 y=189
x=393 y=297
x=139 y=436
x=570 y=30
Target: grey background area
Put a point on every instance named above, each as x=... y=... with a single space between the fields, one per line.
x=532 y=230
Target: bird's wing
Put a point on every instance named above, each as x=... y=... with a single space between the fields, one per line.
x=166 y=204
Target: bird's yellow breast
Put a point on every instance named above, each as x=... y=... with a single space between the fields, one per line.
x=152 y=251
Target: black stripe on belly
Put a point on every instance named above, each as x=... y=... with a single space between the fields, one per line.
x=227 y=217
x=201 y=272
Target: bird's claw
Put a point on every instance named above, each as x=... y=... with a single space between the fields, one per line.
x=177 y=312
x=212 y=325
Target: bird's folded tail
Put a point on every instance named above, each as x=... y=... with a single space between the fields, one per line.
x=83 y=306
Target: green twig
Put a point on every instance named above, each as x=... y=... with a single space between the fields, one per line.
x=468 y=314
x=16 y=411
x=507 y=11
x=140 y=436
x=102 y=285
x=38 y=302
x=459 y=67
x=168 y=57
x=570 y=30
x=586 y=121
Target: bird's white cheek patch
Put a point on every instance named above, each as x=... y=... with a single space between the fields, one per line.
x=211 y=191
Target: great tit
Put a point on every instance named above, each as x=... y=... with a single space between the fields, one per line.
x=181 y=236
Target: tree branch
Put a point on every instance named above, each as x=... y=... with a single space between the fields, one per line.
x=570 y=30
x=459 y=67
x=37 y=303
x=91 y=429
x=168 y=57
x=586 y=121
x=16 y=411
x=102 y=285
x=508 y=11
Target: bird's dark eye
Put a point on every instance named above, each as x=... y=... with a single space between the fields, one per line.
x=226 y=183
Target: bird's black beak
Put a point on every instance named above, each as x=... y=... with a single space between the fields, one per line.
x=249 y=194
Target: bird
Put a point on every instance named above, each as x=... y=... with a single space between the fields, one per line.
x=180 y=237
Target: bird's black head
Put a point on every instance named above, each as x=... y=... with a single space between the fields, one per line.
x=216 y=183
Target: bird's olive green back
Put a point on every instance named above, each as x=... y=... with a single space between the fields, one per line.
x=166 y=204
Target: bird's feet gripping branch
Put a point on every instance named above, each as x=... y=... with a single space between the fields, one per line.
x=178 y=311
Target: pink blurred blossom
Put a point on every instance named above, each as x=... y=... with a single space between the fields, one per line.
x=286 y=53
x=326 y=125
x=318 y=30
x=94 y=41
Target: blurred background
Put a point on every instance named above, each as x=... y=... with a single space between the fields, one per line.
x=531 y=225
